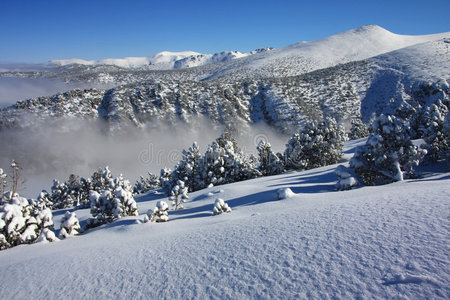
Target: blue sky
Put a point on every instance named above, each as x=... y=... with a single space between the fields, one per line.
x=38 y=31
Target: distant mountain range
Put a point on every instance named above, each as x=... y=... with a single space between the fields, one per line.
x=355 y=74
x=161 y=61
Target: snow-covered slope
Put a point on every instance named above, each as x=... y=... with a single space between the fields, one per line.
x=353 y=45
x=386 y=242
x=380 y=84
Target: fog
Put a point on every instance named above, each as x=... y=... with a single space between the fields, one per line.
x=53 y=152
x=13 y=89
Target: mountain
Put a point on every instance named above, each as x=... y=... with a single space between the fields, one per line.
x=360 y=73
x=353 y=45
x=389 y=242
x=161 y=61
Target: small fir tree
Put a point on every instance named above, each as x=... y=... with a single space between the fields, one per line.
x=70 y=226
x=179 y=195
x=358 y=130
x=146 y=184
x=161 y=212
x=269 y=162
x=220 y=206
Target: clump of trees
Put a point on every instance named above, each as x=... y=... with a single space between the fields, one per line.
x=111 y=199
x=389 y=154
x=317 y=144
x=22 y=221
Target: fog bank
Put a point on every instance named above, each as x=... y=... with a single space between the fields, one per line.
x=50 y=152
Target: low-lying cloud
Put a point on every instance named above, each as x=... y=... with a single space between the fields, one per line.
x=13 y=89
x=82 y=147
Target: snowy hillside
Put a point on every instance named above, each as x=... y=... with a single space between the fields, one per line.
x=385 y=242
x=381 y=84
x=353 y=45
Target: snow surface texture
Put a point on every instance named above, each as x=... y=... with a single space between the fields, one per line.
x=385 y=242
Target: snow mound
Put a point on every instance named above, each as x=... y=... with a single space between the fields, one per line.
x=285 y=193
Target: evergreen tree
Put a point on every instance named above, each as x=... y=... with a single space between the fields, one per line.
x=61 y=196
x=70 y=225
x=179 y=195
x=269 y=162
x=359 y=130
x=161 y=212
x=20 y=224
x=187 y=169
x=224 y=162
x=433 y=131
x=165 y=178
x=220 y=206
x=43 y=201
x=388 y=154
x=146 y=184
x=113 y=202
x=316 y=145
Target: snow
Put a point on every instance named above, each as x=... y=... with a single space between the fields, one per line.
x=381 y=242
x=164 y=60
x=285 y=193
x=353 y=45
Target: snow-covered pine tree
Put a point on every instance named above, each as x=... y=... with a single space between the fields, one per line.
x=161 y=212
x=61 y=196
x=345 y=179
x=45 y=223
x=115 y=201
x=43 y=201
x=22 y=220
x=269 y=162
x=388 y=154
x=146 y=184
x=70 y=225
x=179 y=195
x=187 y=169
x=224 y=162
x=165 y=178
x=317 y=144
x=213 y=166
x=433 y=131
x=19 y=224
x=446 y=131
x=358 y=130
x=101 y=179
x=85 y=186
x=220 y=206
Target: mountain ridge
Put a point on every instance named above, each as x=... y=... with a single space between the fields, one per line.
x=282 y=87
x=360 y=43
